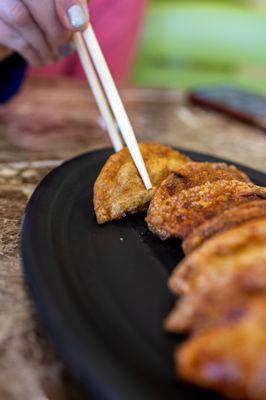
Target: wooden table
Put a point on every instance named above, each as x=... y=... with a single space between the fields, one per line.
x=51 y=121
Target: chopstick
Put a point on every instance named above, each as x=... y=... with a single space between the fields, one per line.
x=113 y=98
x=98 y=92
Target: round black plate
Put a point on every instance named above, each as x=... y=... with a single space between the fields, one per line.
x=101 y=291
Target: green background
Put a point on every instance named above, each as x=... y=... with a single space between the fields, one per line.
x=191 y=43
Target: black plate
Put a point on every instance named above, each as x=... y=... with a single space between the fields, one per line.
x=101 y=291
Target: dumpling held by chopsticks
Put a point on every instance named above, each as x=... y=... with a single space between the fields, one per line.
x=119 y=189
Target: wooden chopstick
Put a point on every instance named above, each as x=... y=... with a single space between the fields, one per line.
x=115 y=103
x=98 y=92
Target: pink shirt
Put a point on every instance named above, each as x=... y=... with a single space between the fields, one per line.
x=116 y=23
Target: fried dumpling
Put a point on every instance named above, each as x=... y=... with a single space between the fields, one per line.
x=209 y=309
x=223 y=222
x=119 y=189
x=234 y=260
x=202 y=299
x=221 y=257
x=229 y=356
x=178 y=213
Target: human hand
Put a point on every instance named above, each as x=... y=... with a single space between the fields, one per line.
x=39 y=29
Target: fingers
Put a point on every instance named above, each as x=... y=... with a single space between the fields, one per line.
x=41 y=28
x=12 y=39
x=45 y=16
x=73 y=14
x=16 y=15
x=58 y=18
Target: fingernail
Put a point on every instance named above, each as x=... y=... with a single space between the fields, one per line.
x=67 y=49
x=77 y=16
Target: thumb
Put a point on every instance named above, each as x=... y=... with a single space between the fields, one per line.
x=73 y=14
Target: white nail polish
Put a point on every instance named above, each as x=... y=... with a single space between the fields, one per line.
x=77 y=16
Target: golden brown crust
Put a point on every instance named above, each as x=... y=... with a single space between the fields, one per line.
x=230 y=357
x=197 y=173
x=223 y=222
x=202 y=312
x=219 y=259
x=222 y=279
x=213 y=286
x=178 y=214
x=119 y=189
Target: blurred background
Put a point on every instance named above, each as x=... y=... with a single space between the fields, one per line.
x=191 y=43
